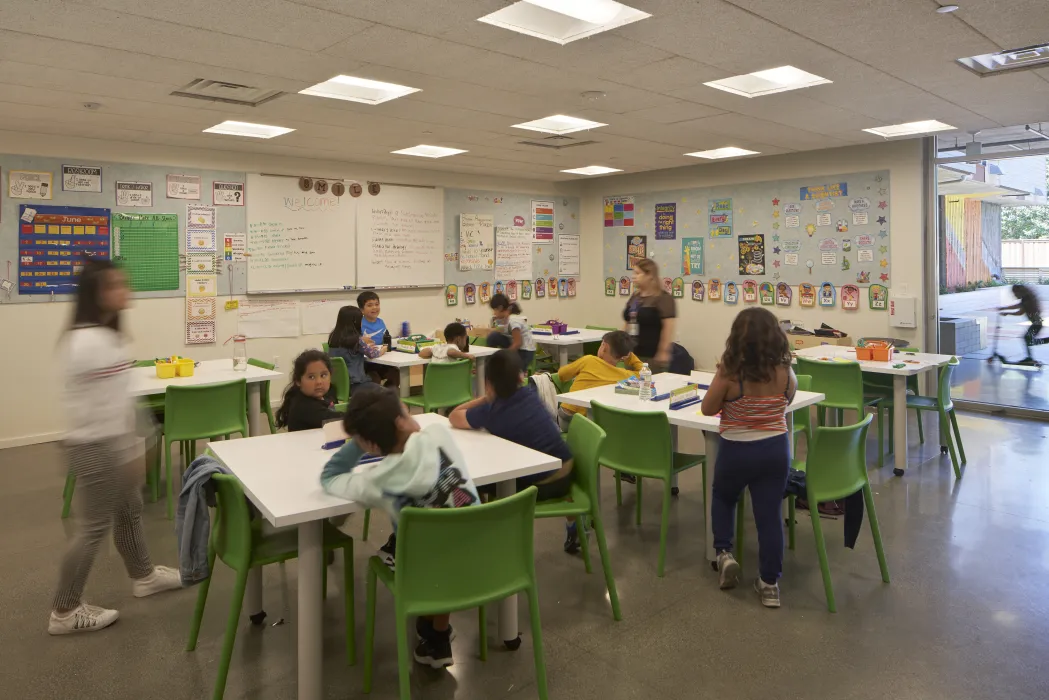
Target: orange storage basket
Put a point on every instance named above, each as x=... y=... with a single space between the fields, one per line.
x=876 y=350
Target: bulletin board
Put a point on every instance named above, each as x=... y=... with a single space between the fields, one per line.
x=80 y=190
x=509 y=210
x=834 y=229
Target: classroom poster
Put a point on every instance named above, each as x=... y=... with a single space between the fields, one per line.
x=227 y=194
x=720 y=218
x=81 y=178
x=513 y=253
x=52 y=243
x=752 y=254
x=636 y=249
x=29 y=184
x=666 y=222
x=234 y=246
x=837 y=189
x=134 y=194
x=567 y=255
x=692 y=256
x=477 y=242
x=542 y=221
x=200 y=216
x=183 y=186
x=619 y=211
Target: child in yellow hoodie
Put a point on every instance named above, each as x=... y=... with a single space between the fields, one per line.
x=591 y=371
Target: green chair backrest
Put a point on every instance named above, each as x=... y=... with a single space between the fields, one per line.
x=197 y=412
x=231 y=536
x=592 y=347
x=324 y=347
x=340 y=379
x=840 y=382
x=264 y=390
x=479 y=341
x=836 y=465
x=638 y=442
x=803 y=417
x=448 y=383
x=562 y=387
x=457 y=558
x=145 y=363
x=585 y=441
x=599 y=328
x=944 y=389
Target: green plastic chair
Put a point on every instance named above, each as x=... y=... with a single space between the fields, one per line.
x=585 y=439
x=840 y=382
x=802 y=419
x=452 y=559
x=197 y=413
x=445 y=385
x=340 y=379
x=264 y=392
x=836 y=467
x=239 y=543
x=942 y=404
x=324 y=346
x=479 y=341
x=639 y=443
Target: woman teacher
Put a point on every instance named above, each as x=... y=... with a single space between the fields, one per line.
x=649 y=317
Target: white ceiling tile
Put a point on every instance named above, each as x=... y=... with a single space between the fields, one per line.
x=677 y=112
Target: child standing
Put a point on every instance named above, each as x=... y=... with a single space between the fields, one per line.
x=1027 y=306
x=513 y=331
x=347 y=341
x=374 y=332
x=309 y=399
x=456 y=345
x=102 y=451
x=591 y=371
x=753 y=386
x=421 y=468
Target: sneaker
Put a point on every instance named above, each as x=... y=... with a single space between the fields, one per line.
x=162 y=579
x=769 y=593
x=674 y=490
x=435 y=652
x=388 y=551
x=728 y=571
x=628 y=478
x=572 y=545
x=424 y=628
x=83 y=618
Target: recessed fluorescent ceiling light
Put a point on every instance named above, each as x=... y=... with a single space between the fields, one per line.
x=429 y=151
x=1008 y=60
x=593 y=170
x=559 y=124
x=910 y=128
x=563 y=21
x=727 y=152
x=767 y=82
x=347 y=87
x=258 y=131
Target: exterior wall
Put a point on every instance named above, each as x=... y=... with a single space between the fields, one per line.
x=972 y=238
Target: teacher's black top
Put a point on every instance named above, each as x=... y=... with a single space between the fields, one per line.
x=644 y=317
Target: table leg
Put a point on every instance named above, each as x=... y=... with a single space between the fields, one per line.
x=255 y=410
x=899 y=424
x=311 y=568
x=508 y=606
x=479 y=388
x=711 y=439
x=406 y=381
x=562 y=355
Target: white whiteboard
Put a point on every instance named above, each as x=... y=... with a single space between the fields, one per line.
x=298 y=241
x=400 y=237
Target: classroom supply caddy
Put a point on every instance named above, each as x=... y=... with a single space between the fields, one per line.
x=175 y=367
x=413 y=343
x=875 y=350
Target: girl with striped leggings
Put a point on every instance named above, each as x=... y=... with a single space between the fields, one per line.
x=102 y=451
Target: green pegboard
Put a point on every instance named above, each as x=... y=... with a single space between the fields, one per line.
x=148 y=249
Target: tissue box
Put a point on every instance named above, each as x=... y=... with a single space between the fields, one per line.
x=413 y=343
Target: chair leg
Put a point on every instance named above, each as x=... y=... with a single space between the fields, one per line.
x=637 y=506
x=791 y=516
x=324 y=576
x=231 y=633
x=821 y=550
x=892 y=431
x=619 y=489
x=482 y=632
x=664 y=524
x=584 y=542
x=367 y=524
x=957 y=435
x=881 y=436
x=403 y=653
x=950 y=445
x=872 y=517
x=202 y=599
x=821 y=416
x=606 y=563
x=537 y=641
x=369 y=630
x=154 y=485
x=921 y=428
x=167 y=477
x=67 y=494
x=348 y=599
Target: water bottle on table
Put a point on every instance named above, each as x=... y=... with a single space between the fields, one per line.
x=645 y=392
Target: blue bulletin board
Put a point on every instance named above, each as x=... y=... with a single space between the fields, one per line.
x=52 y=245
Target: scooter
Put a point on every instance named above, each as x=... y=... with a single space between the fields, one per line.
x=995 y=355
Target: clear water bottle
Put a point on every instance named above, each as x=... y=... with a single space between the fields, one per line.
x=645 y=393
x=240 y=352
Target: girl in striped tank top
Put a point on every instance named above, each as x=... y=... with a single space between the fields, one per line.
x=752 y=388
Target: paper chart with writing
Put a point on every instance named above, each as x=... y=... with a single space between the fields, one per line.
x=29 y=184
x=567 y=255
x=200 y=264
x=477 y=242
x=200 y=309
x=81 y=178
x=183 y=186
x=134 y=194
x=227 y=194
x=513 y=253
x=200 y=286
x=234 y=247
x=200 y=332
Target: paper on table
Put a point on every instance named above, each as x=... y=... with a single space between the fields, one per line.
x=274 y=318
x=318 y=316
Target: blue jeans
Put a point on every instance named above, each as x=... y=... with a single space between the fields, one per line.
x=762 y=466
x=502 y=340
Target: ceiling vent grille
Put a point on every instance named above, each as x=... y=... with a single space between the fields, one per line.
x=557 y=143
x=1009 y=60
x=229 y=93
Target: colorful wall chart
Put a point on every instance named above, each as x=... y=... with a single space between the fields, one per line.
x=52 y=245
x=619 y=211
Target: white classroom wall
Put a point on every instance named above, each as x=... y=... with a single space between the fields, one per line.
x=703 y=326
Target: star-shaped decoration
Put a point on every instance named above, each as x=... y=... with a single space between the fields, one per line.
x=882 y=204
x=718 y=266
x=775 y=275
x=884 y=262
x=883 y=234
x=741 y=210
x=775 y=224
x=776 y=251
x=754 y=224
x=775 y=214
x=775 y=263
x=883 y=249
x=775 y=236
x=775 y=201
x=878 y=178
x=884 y=277
x=883 y=191
x=882 y=220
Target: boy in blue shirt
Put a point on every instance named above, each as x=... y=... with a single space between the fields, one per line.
x=374 y=332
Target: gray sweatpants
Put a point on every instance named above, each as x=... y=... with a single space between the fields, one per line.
x=108 y=496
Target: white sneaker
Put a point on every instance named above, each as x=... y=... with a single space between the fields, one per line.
x=83 y=618
x=728 y=570
x=769 y=593
x=162 y=579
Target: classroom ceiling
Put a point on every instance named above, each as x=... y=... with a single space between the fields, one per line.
x=890 y=61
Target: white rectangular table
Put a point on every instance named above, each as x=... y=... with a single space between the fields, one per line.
x=144 y=382
x=562 y=343
x=404 y=361
x=689 y=417
x=281 y=475
x=914 y=363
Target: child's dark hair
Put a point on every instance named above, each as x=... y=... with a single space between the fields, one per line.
x=454 y=330
x=501 y=301
x=619 y=342
x=504 y=373
x=756 y=347
x=372 y=415
x=1021 y=290
x=304 y=360
x=347 y=331
x=364 y=297
x=88 y=310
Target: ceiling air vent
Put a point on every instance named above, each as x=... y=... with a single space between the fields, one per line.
x=1009 y=60
x=557 y=143
x=230 y=93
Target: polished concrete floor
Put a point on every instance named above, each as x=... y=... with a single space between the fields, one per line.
x=966 y=615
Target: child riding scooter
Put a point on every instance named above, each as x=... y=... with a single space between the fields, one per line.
x=1027 y=306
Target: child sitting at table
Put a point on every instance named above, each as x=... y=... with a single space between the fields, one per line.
x=591 y=371
x=511 y=329
x=348 y=342
x=310 y=397
x=374 y=332
x=514 y=412
x=456 y=345
x=752 y=388
x=421 y=468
